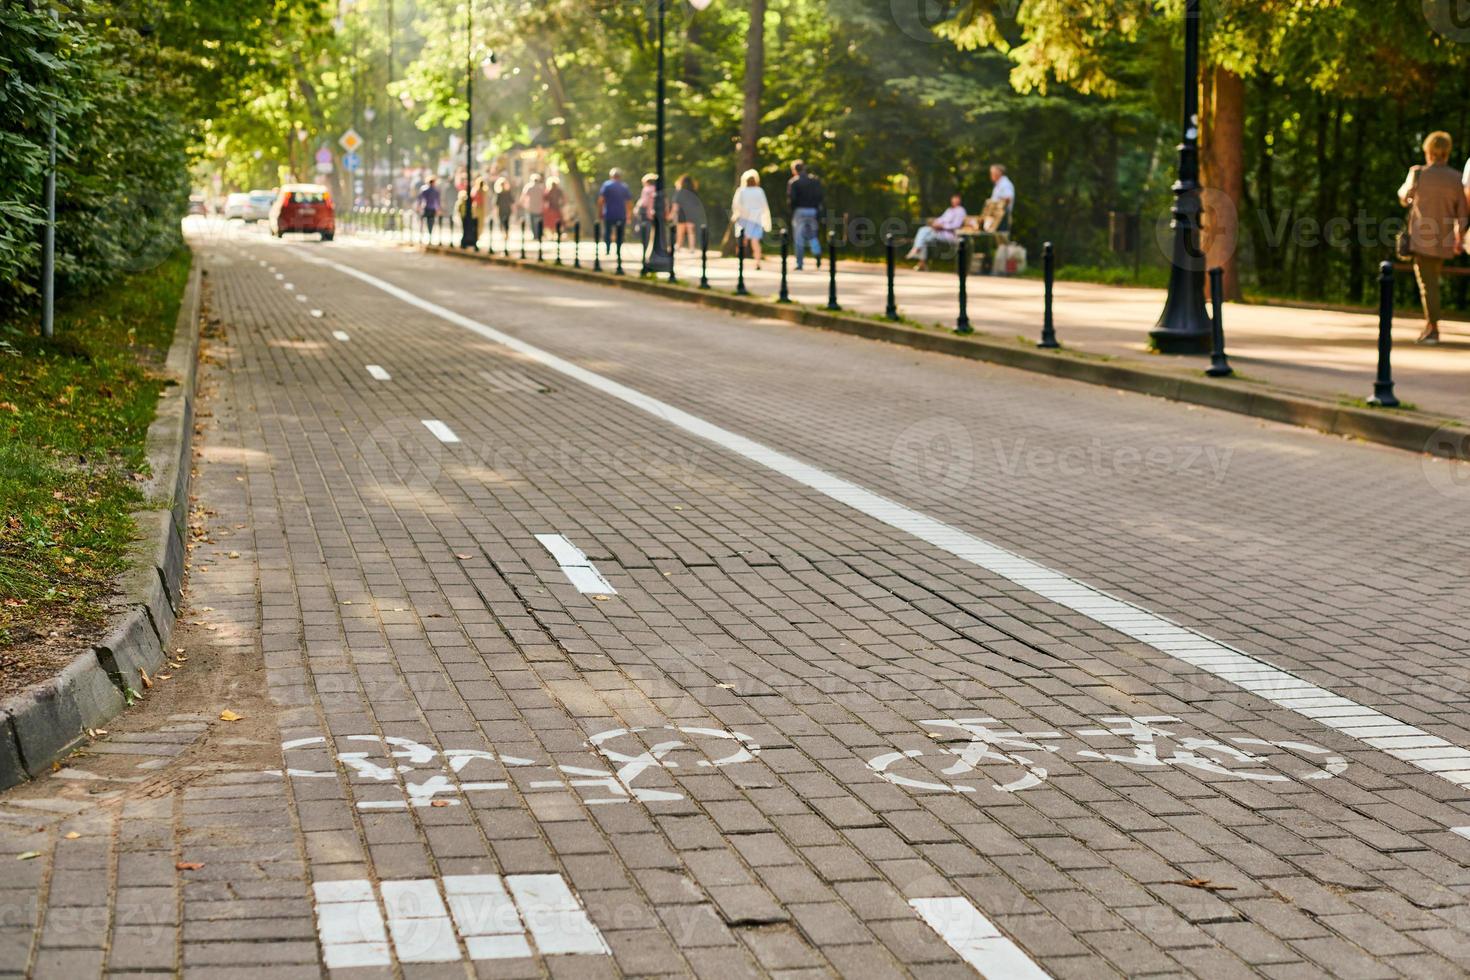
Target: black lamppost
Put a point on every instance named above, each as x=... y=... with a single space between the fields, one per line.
x=470 y=237
x=1184 y=326
x=659 y=258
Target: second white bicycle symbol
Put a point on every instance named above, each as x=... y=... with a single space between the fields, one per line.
x=1012 y=761
x=434 y=778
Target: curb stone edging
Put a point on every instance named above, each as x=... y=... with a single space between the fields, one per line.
x=1400 y=429
x=50 y=719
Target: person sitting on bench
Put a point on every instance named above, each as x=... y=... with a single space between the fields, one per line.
x=942 y=229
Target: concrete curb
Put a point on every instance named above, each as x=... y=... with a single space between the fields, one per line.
x=44 y=723
x=1414 y=431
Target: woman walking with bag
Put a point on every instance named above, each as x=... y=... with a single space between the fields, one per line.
x=1438 y=216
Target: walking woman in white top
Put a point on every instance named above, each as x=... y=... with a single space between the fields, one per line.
x=751 y=212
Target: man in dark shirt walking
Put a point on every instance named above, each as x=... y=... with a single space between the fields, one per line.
x=430 y=205
x=804 y=196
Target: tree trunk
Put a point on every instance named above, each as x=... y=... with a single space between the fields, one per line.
x=755 y=69
x=557 y=88
x=1222 y=170
x=1361 y=117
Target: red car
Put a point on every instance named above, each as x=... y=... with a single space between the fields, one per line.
x=304 y=208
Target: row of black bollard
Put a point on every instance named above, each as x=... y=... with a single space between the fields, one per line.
x=962 y=269
x=740 y=289
x=832 y=271
x=704 y=256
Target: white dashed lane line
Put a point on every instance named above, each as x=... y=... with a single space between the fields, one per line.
x=377 y=373
x=977 y=940
x=576 y=566
x=1367 y=725
x=441 y=431
x=340 y=335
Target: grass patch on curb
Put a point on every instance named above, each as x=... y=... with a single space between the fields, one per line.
x=74 y=417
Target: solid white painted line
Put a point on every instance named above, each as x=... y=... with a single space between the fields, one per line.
x=441 y=431
x=1274 y=685
x=555 y=917
x=576 y=566
x=350 y=925
x=341 y=335
x=377 y=373
x=1462 y=831
x=977 y=940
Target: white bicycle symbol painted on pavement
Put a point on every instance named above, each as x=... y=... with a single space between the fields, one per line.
x=443 y=782
x=1018 y=756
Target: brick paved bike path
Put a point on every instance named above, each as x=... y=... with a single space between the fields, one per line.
x=465 y=791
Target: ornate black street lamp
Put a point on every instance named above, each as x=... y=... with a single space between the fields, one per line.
x=470 y=236
x=659 y=258
x=1184 y=326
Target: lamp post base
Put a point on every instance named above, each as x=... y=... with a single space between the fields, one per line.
x=659 y=260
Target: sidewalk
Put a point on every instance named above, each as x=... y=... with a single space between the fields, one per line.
x=1319 y=352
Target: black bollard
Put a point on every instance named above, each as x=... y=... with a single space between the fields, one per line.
x=558 y=243
x=524 y=222
x=740 y=289
x=577 y=244
x=672 y=252
x=540 y=237
x=832 y=271
x=1048 y=270
x=619 y=237
x=1219 y=366
x=962 y=269
x=1383 y=387
x=890 y=255
x=704 y=256
x=597 y=246
x=785 y=296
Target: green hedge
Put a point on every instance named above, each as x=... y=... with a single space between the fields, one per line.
x=122 y=153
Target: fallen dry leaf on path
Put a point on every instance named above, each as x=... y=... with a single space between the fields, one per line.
x=228 y=715
x=1203 y=884
x=189 y=865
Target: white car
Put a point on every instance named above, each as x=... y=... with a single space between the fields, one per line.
x=258 y=205
x=236 y=204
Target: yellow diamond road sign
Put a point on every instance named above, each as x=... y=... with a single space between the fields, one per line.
x=350 y=141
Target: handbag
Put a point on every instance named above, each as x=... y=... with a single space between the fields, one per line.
x=1404 y=247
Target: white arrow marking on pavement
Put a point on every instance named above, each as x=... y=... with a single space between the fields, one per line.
x=341 y=335
x=377 y=373
x=1371 y=727
x=977 y=940
x=441 y=431
x=576 y=566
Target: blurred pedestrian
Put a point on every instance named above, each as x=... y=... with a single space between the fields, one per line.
x=430 y=205
x=687 y=212
x=613 y=203
x=751 y=212
x=1438 y=217
x=555 y=201
x=533 y=204
x=804 y=196
x=505 y=202
x=942 y=229
x=480 y=200
x=647 y=198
